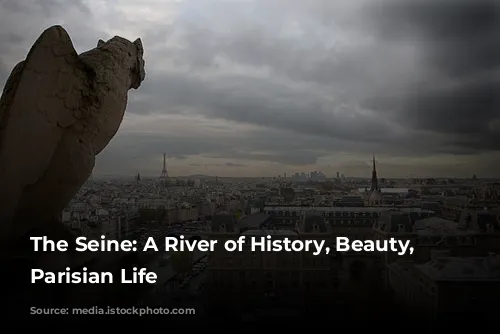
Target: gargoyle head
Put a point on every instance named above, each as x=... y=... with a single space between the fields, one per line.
x=132 y=57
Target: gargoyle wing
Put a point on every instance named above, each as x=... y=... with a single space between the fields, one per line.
x=42 y=98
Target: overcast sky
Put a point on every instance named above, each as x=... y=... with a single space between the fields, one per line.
x=266 y=87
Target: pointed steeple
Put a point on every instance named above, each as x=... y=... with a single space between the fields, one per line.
x=374 y=176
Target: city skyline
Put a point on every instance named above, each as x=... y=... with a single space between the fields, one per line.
x=262 y=88
x=329 y=175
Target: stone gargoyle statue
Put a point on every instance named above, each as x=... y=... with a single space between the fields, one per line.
x=58 y=110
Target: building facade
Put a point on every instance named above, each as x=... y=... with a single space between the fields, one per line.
x=240 y=278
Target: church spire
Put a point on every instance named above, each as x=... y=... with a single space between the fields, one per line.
x=374 y=176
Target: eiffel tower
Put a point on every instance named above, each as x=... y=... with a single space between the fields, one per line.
x=164 y=173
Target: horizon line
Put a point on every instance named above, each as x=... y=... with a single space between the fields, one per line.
x=147 y=176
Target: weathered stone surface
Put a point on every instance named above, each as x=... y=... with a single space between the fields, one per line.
x=58 y=110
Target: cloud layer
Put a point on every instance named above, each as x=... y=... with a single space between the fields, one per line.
x=266 y=87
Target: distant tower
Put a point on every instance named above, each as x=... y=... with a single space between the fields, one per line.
x=164 y=173
x=374 y=177
x=138 y=177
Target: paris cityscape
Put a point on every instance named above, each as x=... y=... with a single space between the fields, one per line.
x=454 y=225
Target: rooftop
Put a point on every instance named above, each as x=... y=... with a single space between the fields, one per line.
x=263 y=233
x=344 y=209
x=462 y=269
x=439 y=226
x=255 y=220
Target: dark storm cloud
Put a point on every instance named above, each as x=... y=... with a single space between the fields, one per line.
x=460 y=42
x=464 y=111
x=48 y=7
x=313 y=78
x=264 y=145
x=461 y=37
x=458 y=38
x=347 y=69
x=15 y=6
x=242 y=99
x=35 y=16
x=6 y=40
